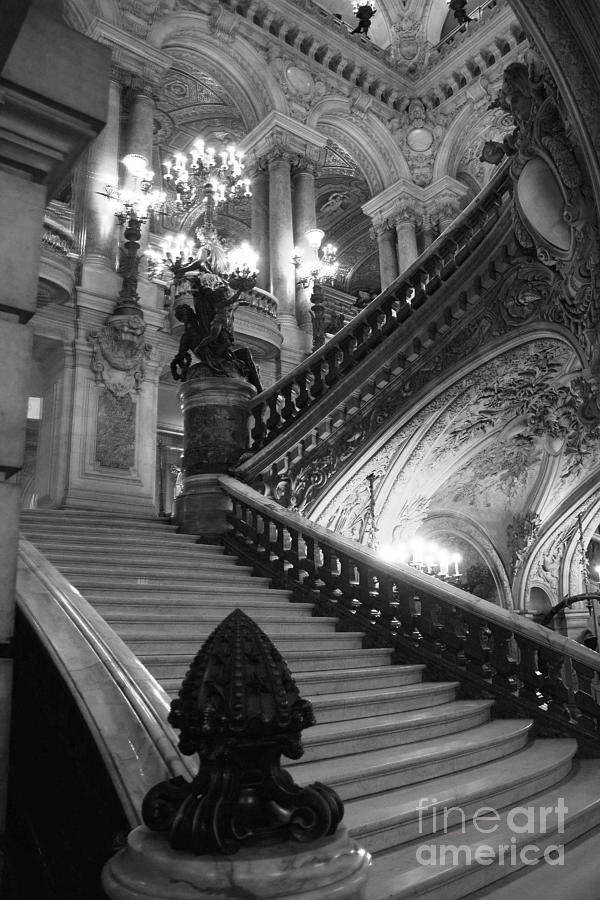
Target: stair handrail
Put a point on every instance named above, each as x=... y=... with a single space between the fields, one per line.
x=280 y=405
x=142 y=750
x=492 y=650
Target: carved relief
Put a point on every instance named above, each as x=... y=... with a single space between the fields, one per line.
x=119 y=354
x=419 y=133
x=115 y=431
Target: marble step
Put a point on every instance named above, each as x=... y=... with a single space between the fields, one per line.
x=82 y=519
x=397 y=873
x=144 y=644
x=361 y=774
x=396 y=817
x=105 y=534
x=336 y=739
x=158 y=571
x=201 y=607
x=71 y=551
x=361 y=704
x=96 y=589
x=311 y=684
x=576 y=879
x=175 y=665
x=171 y=627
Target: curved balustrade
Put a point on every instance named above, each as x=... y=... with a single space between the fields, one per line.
x=529 y=669
x=124 y=707
x=261 y=301
x=292 y=396
x=56 y=238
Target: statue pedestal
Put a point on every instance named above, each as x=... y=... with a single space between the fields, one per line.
x=320 y=870
x=215 y=435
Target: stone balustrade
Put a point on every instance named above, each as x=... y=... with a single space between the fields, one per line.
x=492 y=651
x=348 y=363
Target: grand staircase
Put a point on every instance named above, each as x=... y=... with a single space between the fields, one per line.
x=399 y=750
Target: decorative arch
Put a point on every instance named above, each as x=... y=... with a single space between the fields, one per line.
x=442 y=522
x=230 y=59
x=366 y=138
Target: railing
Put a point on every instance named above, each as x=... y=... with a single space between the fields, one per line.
x=273 y=410
x=56 y=238
x=529 y=669
x=124 y=707
x=261 y=301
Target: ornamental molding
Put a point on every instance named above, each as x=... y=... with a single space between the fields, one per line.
x=119 y=355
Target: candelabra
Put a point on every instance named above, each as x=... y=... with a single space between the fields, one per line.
x=190 y=175
x=426 y=556
x=321 y=270
x=132 y=208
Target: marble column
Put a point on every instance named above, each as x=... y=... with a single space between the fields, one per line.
x=304 y=218
x=406 y=221
x=281 y=235
x=101 y=237
x=140 y=127
x=388 y=257
x=259 y=207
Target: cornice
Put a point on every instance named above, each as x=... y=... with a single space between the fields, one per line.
x=279 y=131
x=131 y=53
x=387 y=203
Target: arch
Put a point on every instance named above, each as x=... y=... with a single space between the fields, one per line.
x=233 y=60
x=365 y=137
x=467 y=528
x=563 y=34
x=446 y=155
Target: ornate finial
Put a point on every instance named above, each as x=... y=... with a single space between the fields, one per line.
x=239 y=709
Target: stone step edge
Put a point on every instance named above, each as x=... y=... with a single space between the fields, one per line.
x=457 y=882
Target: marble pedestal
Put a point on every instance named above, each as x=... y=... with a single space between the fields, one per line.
x=333 y=868
x=215 y=435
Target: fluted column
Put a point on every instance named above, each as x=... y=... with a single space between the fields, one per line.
x=304 y=218
x=281 y=234
x=388 y=257
x=100 y=235
x=406 y=220
x=259 y=209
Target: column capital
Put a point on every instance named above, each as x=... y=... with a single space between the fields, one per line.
x=406 y=214
x=280 y=134
x=382 y=225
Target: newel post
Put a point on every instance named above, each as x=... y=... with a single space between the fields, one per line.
x=214 y=395
x=242 y=827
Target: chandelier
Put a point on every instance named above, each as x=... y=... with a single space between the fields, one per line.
x=180 y=256
x=426 y=556
x=188 y=175
x=325 y=265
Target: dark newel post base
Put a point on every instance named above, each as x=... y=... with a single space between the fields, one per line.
x=149 y=869
x=215 y=435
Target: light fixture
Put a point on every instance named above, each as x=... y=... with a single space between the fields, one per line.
x=132 y=207
x=189 y=175
x=426 y=556
x=356 y=6
x=325 y=265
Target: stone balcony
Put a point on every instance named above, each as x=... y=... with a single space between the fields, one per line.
x=58 y=257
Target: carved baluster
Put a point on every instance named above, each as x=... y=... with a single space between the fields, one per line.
x=294 y=555
x=348 y=582
x=502 y=660
x=288 y=410
x=386 y=602
x=303 y=398
x=478 y=647
x=274 y=418
x=334 y=359
x=311 y=565
x=456 y=633
x=415 y=605
x=348 y=346
x=258 y=430
x=318 y=385
x=528 y=671
x=587 y=696
x=554 y=689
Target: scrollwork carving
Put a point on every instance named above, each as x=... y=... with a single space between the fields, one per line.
x=119 y=354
